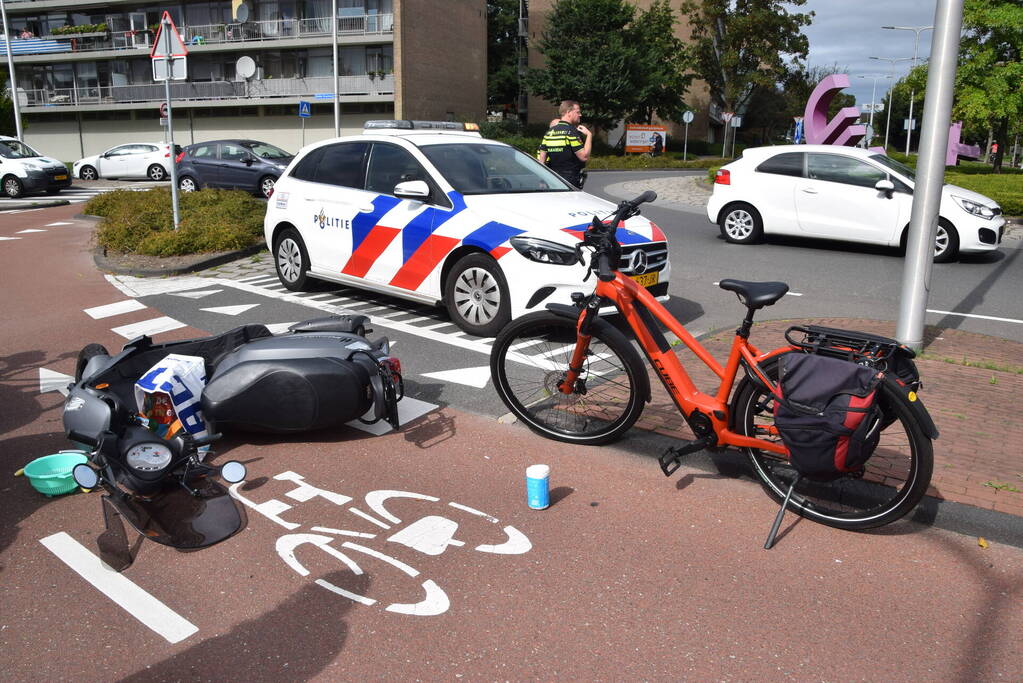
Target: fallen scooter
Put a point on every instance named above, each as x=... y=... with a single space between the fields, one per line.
x=320 y=373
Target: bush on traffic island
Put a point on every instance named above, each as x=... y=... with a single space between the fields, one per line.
x=211 y=221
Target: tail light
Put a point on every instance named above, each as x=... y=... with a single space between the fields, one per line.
x=179 y=157
x=723 y=177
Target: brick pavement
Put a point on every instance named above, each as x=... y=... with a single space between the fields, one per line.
x=971 y=386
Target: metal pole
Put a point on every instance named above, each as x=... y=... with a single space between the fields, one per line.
x=916 y=275
x=337 y=89
x=891 y=91
x=165 y=32
x=14 y=81
x=916 y=46
x=685 y=146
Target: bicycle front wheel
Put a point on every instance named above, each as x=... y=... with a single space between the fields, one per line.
x=530 y=358
x=891 y=484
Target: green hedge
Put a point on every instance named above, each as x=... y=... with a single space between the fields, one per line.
x=211 y=221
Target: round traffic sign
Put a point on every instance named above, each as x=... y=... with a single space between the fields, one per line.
x=688 y=117
x=163 y=110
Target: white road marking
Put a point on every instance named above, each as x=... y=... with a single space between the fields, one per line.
x=470 y=377
x=343 y=532
x=117 y=308
x=408 y=409
x=369 y=518
x=278 y=328
x=29 y=230
x=50 y=380
x=9 y=238
x=149 y=327
x=198 y=294
x=230 y=310
x=974 y=315
x=50 y=225
x=474 y=511
x=124 y=592
x=140 y=286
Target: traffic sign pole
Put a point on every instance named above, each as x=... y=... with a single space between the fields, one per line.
x=164 y=42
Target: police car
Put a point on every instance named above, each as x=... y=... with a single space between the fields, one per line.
x=433 y=212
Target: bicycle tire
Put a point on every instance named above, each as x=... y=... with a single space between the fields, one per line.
x=531 y=356
x=893 y=481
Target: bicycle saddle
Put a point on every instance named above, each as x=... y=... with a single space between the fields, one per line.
x=755 y=295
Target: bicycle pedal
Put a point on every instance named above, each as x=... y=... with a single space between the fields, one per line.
x=671 y=460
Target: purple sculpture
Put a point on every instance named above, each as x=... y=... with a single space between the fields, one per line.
x=841 y=129
x=956 y=149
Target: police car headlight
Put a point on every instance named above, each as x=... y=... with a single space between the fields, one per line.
x=973 y=208
x=543 y=251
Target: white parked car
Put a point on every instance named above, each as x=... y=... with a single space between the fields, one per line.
x=25 y=171
x=842 y=193
x=135 y=160
x=434 y=213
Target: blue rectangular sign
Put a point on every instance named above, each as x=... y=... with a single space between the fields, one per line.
x=324 y=95
x=305 y=109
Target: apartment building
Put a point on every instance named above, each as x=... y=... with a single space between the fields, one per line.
x=85 y=77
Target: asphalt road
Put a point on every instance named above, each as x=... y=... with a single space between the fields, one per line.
x=627 y=575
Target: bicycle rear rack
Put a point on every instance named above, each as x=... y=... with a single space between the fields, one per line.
x=873 y=350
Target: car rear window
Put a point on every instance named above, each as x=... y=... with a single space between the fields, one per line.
x=789 y=163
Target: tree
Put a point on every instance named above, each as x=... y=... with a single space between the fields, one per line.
x=741 y=45
x=590 y=58
x=664 y=66
x=989 y=81
x=503 y=55
x=771 y=110
x=617 y=64
x=7 y=126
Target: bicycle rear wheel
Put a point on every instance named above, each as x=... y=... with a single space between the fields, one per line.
x=529 y=360
x=891 y=484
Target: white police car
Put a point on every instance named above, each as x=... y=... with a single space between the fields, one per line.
x=432 y=212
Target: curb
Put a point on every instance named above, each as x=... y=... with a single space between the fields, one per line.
x=106 y=265
x=35 y=204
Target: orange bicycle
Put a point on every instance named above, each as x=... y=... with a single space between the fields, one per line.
x=570 y=375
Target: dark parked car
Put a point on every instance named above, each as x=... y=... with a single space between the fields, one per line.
x=242 y=164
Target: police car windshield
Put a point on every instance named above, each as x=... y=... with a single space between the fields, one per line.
x=13 y=149
x=480 y=168
x=266 y=151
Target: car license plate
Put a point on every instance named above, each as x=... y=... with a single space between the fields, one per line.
x=646 y=279
x=60 y=177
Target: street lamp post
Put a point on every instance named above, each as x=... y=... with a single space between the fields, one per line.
x=917 y=30
x=873 y=93
x=337 y=89
x=10 y=68
x=891 y=97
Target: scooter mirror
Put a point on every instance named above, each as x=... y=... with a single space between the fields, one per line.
x=85 y=476
x=233 y=472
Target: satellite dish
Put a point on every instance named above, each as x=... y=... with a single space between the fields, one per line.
x=242 y=13
x=245 y=67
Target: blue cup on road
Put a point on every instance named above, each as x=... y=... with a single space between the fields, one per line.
x=538 y=493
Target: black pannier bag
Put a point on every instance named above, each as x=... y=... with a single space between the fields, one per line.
x=828 y=415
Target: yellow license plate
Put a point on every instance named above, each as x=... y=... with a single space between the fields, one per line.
x=60 y=177
x=646 y=279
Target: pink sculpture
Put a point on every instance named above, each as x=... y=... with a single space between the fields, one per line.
x=841 y=129
x=956 y=149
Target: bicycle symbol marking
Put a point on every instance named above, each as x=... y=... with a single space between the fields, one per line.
x=430 y=535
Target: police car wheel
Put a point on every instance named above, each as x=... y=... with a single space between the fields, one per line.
x=291 y=261
x=476 y=296
x=13 y=187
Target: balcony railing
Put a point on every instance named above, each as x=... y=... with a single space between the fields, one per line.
x=312 y=88
x=211 y=34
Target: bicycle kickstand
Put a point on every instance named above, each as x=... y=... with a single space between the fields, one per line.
x=781 y=513
x=671 y=460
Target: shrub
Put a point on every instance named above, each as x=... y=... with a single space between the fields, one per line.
x=211 y=220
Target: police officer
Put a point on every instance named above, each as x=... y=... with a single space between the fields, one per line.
x=566 y=146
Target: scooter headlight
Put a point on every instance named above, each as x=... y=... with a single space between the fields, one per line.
x=148 y=457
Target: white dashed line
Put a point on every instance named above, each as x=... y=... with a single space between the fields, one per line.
x=119 y=308
x=148 y=327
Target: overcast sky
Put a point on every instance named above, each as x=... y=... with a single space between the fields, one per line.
x=848 y=32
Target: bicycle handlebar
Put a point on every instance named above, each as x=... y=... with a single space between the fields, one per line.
x=602 y=236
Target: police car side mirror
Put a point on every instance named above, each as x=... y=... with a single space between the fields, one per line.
x=415 y=190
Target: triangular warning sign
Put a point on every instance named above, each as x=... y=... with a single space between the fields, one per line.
x=168 y=43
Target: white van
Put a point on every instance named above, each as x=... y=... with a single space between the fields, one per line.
x=25 y=171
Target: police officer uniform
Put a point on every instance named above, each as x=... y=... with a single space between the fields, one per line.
x=561 y=143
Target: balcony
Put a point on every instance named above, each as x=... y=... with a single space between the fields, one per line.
x=213 y=34
x=265 y=89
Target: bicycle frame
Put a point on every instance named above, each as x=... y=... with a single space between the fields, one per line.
x=640 y=308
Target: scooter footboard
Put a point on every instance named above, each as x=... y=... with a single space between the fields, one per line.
x=287 y=396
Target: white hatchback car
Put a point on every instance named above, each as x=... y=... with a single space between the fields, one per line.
x=842 y=193
x=136 y=160
x=433 y=212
